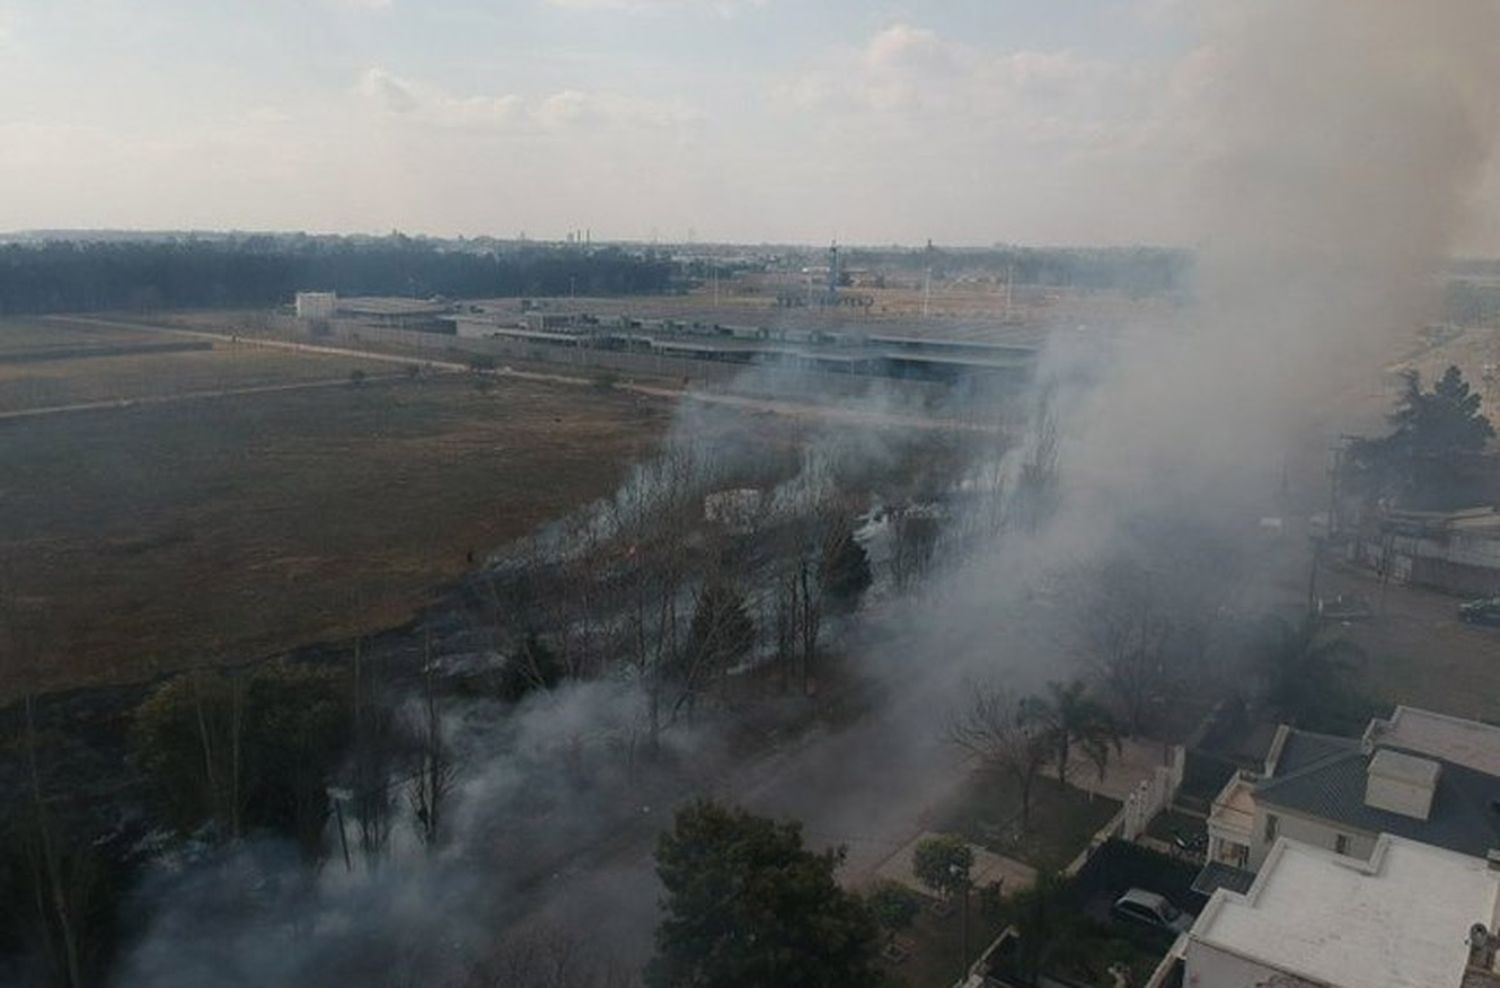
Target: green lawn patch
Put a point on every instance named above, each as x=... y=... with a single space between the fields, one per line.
x=987 y=811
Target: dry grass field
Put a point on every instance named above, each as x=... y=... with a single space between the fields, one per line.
x=64 y=379
x=135 y=540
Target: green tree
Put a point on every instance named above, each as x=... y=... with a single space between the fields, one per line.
x=943 y=864
x=1432 y=431
x=894 y=907
x=747 y=906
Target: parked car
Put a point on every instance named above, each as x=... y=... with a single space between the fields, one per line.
x=1150 y=909
x=1486 y=610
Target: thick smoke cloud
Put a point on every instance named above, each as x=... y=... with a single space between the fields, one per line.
x=1336 y=147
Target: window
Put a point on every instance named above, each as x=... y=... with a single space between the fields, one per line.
x=1341 y=843
x=1271 y=822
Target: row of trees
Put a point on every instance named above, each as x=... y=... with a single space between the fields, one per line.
x=1138 y=270
x=60 y=276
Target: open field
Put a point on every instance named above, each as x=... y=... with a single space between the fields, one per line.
x=140 y=539
x=48 y=383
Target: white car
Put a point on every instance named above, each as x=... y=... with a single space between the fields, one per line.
x=1150 y=909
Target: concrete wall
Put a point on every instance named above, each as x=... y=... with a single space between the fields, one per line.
x=1210 y=967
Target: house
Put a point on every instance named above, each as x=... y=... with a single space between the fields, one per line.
x=1411 y=916
x=1419 y=775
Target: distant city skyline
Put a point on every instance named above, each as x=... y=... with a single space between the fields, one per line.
x=969 y=122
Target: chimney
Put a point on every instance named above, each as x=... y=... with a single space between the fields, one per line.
x=1479 y=971
x=1400 y=783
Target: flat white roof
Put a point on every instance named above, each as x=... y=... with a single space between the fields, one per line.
x=1453 y=739
x=1399 y=920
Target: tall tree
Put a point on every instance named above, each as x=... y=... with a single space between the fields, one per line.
x=720 y=634
x=1432 y=432
x=747 y=906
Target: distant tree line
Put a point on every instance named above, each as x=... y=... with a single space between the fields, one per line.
x=1137 y=270
x=65 y=275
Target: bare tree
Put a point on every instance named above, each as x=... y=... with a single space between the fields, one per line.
x=1037 y=490
x=1128 y=627
x=540 y=956
x=1008 y=737
x=434 y=777
x=372 y=760
x=54 y=904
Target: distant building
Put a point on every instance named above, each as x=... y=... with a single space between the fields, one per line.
x=1411 y=916
x=1420 y=775
x=316 y=305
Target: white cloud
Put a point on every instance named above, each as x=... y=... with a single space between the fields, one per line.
x=363 y=4
x=725 y=8
x=567 y=109
x=912 y=75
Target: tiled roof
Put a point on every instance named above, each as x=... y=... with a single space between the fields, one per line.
x=1326 y=778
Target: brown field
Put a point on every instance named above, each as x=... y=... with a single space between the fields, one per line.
x=136 y=540
x=227 y=366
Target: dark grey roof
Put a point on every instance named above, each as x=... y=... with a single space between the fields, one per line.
x=1325 y=777
x=1217 y=875
x=1304 y=748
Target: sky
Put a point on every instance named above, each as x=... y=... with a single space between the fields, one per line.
x=865 y=121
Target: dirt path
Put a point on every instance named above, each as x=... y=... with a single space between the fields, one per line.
x=121 y=403
x=766 y=406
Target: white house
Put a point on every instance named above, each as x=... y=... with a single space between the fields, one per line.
x=1419 y=775
x=1412 y=916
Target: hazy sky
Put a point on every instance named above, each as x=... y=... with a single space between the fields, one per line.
x=966 y=121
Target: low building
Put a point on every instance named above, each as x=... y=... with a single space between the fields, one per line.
x=1452 y=551
x=316 y=305
x=1411 y=916
x=1419 y=775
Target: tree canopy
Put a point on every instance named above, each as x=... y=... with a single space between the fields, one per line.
x=943 y=863
x=1432 y=433
x=747 y=906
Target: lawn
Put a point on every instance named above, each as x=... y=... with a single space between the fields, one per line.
x=936 y=942
x=987 y=811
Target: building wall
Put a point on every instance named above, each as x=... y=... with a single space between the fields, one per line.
x=316 y=305
x=1308 y=830
x=1209 y=967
